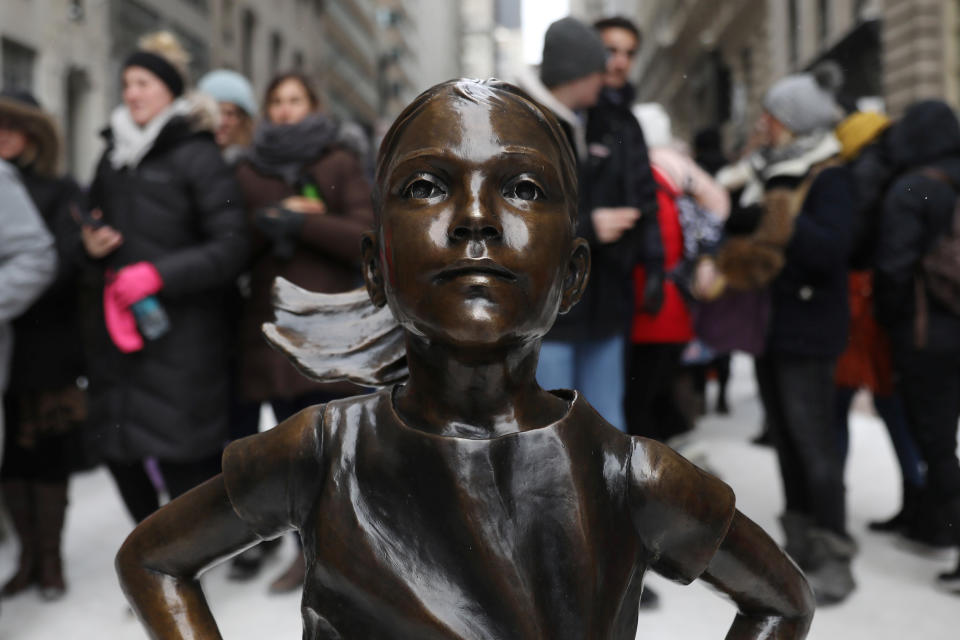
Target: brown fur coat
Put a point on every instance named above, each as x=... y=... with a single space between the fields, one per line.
x=752 y=261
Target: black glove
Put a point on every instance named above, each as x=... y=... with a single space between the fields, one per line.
x=281 y=227
x=652 y=292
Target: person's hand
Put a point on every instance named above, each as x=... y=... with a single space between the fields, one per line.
x=302 y=204
x=610 y=223
x=708 y=282
x=99 y=241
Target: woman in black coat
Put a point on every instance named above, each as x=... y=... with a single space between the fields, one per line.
x=166 y=223
x=44 y=405
x=924 y=332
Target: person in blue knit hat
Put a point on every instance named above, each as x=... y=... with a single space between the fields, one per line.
x=238 y=109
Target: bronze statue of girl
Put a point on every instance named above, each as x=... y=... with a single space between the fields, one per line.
x=467 y=502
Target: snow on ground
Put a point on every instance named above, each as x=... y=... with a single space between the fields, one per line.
x=895 y=599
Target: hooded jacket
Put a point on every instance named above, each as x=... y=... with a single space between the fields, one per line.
x=613 y=170
x=180 y=209
x=916 y=210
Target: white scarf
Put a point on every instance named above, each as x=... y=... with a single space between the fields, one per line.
x=132 y=142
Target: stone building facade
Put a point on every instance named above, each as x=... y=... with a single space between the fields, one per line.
x=420 y=46
x=70 y=52
x=710 y=63
x=491 y=45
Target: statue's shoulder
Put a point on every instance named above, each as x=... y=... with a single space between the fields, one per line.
x=353 y=413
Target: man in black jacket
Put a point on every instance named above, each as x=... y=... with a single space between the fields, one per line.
x=617 y=173
x=924 y=332
x=585 y=350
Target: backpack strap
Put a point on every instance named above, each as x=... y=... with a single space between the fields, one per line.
x=939 y=175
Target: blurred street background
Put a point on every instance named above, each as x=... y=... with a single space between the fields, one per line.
x=705 y=65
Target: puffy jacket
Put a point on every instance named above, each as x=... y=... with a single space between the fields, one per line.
x=916 y=210
x=179 y=209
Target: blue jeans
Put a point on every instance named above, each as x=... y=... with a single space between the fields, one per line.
x=595 y=368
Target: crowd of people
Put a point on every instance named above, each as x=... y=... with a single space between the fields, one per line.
x=826 y=249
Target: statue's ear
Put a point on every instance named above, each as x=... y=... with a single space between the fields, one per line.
x=372 y=273
x=578 y=273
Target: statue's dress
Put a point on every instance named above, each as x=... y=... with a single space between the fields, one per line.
x=540 y=534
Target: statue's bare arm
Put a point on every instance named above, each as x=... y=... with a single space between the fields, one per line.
x=774 y=600
x=160 y=561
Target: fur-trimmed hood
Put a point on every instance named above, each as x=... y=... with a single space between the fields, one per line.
x=25 y=112
x=753 y=261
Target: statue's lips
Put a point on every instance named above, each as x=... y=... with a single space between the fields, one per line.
x=476 y=267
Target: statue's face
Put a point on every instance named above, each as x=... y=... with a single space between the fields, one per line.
x=476 y=245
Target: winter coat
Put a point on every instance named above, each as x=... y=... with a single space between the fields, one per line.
x=28 y=260
x=866 y=362
x=760 y=226
x=179 y=209
x=613 y=170
x=617 y=174
x=916 y=210
x=48 y=353
x=326 y=259
x=810 y=310
x=673 y=323
x=873 y=171
x=614 y=173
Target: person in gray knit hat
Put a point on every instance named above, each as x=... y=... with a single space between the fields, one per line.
x=804 y=102
x=570 y=76
x=799 y=252
x=571 y=50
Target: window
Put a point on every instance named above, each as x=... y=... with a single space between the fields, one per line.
x=858 y=8
x=246 y=45
x=793 y=32
x=276 y=51
x=746 y=66
x=202 y=6
x=77 y=90
x=507 y=13
x=823 y=21
x=18 y=62
x=226 y=21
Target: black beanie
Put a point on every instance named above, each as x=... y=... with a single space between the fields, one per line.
x=571 y=50
x=158 y=66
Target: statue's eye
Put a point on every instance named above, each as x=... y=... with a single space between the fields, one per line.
x=423 y=188
x=524 y=189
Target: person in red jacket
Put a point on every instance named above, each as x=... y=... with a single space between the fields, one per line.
x=657 y=340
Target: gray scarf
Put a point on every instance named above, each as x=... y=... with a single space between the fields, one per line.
x=284 y=149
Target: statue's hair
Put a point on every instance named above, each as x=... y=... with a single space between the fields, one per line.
x=495 y=93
